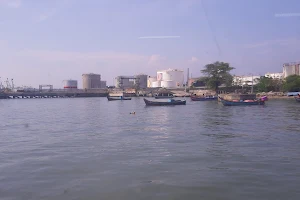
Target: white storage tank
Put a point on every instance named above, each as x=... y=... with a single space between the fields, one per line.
x=70 y=84
x=159 y=76
x=150 y=81
x=175 y=75
x=156 y=84
x=168 y=84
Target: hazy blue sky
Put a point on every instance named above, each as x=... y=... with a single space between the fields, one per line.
x=47 y=41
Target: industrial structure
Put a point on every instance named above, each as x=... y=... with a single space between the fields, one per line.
x=291 y=69
x=47 y=86
x=102 y=84
x=137 y=81
x=150 y=81
x=92 y=81
x=170 y=78
x=142 y=80
x=70 y=84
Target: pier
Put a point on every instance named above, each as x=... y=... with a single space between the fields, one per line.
x=31 y=95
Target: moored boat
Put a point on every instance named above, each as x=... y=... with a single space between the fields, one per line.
x=260 y=101
x=164 y=97
x=169 y=102
x=204 y=98
x=109 y=98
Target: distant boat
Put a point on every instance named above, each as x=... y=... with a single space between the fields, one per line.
x=204 y=98
x=260 y=101
x=109 y=98
x=169 y=102
x=293 y=94
x=297 y=99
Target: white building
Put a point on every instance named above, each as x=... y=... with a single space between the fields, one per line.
x=274 y=75
x=291 y=69
x=170 y=78
x=245 y=80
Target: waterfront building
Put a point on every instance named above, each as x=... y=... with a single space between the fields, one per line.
x=274 y=75
x=291 y=69
x=245 y=80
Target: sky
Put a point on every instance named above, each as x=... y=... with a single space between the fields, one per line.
x=46 y=42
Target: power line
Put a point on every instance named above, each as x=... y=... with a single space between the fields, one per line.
x=211 y=27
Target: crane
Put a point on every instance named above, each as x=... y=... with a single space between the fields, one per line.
x=12 y=84
x=8 y=84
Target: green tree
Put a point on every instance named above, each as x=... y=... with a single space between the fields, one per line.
x=292 y=83
x=266 y=84
x=216 y=74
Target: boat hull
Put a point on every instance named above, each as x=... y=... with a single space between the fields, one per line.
x=241 y=103
x=164 y=103
x=118 y=98
x=164 y=97
x=204 y=98
x=297 y=99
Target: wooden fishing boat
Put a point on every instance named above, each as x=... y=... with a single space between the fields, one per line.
x=204 y=98
x=169 y=102
x=164 y=97
x=109 y=98
x=260 y=101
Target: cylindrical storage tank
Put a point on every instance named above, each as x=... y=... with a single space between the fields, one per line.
x=177 y=76
x=70 y=84
x=90 y=81
x=168 y=84
x=159 y=75
x=156 y=84
x=166 y=76
x=172 y=75
x=151 y=80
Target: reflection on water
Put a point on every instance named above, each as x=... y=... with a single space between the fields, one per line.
x=90 y=148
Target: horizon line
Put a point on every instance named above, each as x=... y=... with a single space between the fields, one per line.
x=159 y=37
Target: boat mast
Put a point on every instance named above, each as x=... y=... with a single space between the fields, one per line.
x=252 y=85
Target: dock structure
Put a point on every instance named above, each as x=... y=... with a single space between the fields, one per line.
x=76 y=93
x=36 y=94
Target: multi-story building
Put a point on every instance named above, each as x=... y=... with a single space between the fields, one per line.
x=245 y=80
x=274 y=75
x=102 y=84
x=137 y=81
x=291 y=69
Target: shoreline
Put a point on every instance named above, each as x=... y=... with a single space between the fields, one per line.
x=280 y=97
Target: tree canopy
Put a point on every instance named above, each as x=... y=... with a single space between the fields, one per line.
x=216 y=74
x=292 y=83
x=266 y=84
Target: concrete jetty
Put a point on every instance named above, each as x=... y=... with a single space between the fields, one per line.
x=31 y=95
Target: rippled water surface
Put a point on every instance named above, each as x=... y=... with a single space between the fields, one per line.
x=90 y=149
